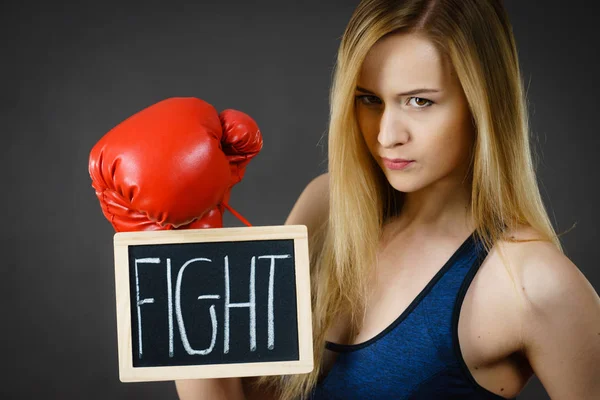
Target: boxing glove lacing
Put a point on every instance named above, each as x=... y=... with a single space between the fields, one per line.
x=231 y=210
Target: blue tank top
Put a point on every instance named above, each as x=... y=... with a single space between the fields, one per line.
x=417 y=356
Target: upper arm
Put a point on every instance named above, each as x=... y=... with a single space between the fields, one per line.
x=561 y=330
x=310 y=209
x=312 y=206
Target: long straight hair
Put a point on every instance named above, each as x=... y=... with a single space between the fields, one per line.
x=477 y=38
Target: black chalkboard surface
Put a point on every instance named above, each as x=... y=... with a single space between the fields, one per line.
x=213 y=303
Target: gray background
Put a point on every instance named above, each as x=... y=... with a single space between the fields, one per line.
x=72 y=72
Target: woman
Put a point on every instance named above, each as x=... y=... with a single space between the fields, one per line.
x=436 y=271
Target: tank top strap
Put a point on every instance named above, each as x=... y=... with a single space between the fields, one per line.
x=433 y=298
x=442 y=306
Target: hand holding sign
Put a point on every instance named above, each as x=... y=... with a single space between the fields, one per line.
x=172 y=165
x=197 y=303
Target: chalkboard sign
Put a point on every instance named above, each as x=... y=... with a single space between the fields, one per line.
x=210 y=303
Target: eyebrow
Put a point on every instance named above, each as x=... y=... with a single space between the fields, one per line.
x=410 y=92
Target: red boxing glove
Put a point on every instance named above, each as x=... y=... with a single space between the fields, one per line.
x=172 y=165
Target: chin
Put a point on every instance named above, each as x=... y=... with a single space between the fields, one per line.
x=405 y=184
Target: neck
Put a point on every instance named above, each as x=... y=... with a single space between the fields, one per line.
x=440 y=208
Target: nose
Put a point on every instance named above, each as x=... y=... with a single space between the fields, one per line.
x=392 y=132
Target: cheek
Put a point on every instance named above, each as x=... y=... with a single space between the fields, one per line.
x=451 y=146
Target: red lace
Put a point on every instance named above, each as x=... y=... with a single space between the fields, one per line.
x=231 y=210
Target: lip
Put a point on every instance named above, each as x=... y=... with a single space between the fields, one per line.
x=396 y=163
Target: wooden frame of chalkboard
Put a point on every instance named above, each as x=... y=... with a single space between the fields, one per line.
x=166 y=319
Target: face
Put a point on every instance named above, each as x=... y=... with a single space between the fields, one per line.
x=410 y=106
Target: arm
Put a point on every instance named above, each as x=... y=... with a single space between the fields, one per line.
x=213 y=389
x=561 y=331
x=309 y=210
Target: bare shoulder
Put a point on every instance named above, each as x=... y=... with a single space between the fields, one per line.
x=549 y=279
x=312 y=206
x=542 y=269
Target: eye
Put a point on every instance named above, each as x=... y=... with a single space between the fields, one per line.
x=420 y=102
x=368 y=100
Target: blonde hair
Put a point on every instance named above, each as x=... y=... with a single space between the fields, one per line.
x=476 y=36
